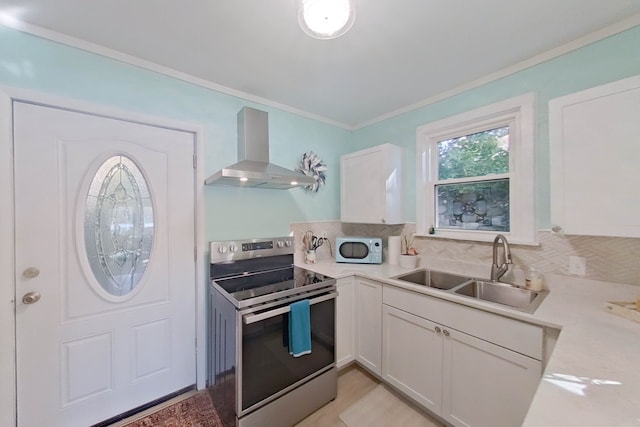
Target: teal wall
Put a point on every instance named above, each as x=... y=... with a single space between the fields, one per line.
x=607 y=60
x=37 y=64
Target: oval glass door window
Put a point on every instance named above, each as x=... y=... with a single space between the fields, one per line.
x=119 y=225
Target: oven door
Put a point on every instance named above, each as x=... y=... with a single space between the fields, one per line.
x=267 y=370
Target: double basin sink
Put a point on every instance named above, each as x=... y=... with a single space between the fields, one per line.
x=493 y=292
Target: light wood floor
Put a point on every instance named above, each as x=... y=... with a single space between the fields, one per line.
x=353 y=384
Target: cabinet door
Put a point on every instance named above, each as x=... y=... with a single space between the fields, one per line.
x=485 y=385
x=345 y=321
x=369 y=324
x=412 y=356
x=371 y=186
x=594 y=151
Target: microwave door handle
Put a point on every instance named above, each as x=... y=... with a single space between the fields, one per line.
x=253 y=318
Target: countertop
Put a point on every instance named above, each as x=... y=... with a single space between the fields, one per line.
x=592 y=377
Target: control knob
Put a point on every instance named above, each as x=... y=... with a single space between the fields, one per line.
x=233 y=248
x=222 y=249
x=280 y=243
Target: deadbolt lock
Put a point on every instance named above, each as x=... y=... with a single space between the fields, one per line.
x=31 y=273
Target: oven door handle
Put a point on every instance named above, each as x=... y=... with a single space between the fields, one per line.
x=253 y=318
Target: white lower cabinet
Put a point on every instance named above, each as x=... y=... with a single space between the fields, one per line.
x=345 y=321
x=369 y=324
x=413 y=357
x=485 y=385
x=466 y=380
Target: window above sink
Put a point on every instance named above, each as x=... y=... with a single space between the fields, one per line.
x=476 y=174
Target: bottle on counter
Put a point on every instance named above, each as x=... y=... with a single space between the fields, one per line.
x=533 y=279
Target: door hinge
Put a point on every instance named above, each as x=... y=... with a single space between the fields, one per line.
x=195 y=161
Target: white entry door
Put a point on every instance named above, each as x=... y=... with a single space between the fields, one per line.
x=105 y=271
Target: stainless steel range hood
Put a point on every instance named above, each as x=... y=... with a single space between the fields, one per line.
x=253 y=168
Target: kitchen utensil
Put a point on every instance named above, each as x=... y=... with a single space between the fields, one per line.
x=308 y=240
x=316 y=242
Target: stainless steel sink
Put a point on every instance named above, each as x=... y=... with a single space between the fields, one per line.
x=433 y=279
x=503 y=293
x=484 y=290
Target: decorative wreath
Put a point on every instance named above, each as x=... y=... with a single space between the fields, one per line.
x=311 y=165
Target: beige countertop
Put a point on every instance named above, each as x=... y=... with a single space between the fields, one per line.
x=592 y=377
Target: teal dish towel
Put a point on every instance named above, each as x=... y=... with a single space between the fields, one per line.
x=299 y=329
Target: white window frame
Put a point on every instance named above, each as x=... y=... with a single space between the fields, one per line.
x=519 y=114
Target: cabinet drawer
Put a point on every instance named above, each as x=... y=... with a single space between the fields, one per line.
x=518 y=336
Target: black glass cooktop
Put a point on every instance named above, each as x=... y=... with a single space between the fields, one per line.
x=250 y=285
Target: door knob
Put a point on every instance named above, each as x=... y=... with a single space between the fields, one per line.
x=31 y=297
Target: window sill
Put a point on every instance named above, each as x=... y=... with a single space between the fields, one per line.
x=477 y=236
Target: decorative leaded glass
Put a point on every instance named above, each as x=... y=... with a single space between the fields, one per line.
x=474 y=206
x=119 y=225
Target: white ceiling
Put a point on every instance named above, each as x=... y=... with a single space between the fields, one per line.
x=398 y=53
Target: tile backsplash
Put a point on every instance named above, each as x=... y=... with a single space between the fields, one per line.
x=610 y=259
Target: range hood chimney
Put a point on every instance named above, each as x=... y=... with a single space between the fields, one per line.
x=253 y=168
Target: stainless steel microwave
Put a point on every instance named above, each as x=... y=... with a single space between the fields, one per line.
x=359 y=250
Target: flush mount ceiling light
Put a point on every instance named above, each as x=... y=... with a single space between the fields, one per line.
x=326 y=19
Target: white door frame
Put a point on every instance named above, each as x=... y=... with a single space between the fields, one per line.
x=8 y=379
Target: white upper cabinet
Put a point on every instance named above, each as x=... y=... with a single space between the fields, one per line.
x=371 y=186
x=594 y=148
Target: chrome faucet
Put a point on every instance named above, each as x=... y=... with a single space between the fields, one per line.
x=497 y=271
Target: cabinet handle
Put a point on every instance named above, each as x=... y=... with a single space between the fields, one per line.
x=438 y=330
x=446 y=333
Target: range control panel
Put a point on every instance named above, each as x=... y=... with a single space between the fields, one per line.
x=233 y=250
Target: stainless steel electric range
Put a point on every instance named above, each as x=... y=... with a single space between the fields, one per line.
x=253 y=378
